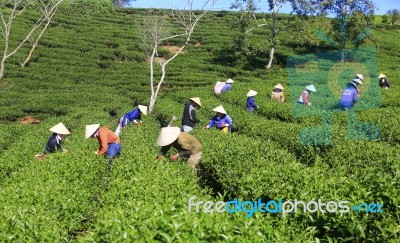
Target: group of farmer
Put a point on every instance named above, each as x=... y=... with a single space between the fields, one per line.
x=185 y=144
x=350 y=93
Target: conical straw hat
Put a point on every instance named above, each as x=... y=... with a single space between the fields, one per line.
x=357 y=81
x=168 y=135
x=143 y=109
x=220 y=109
x=311 y=88
x=360 y=76
x=59 y=129
x=90 y=129
x=382 y=75
x=278 y=86
x=229 y=81
x=251 y=93
x=196 y=100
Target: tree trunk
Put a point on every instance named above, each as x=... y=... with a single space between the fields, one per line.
x=2 y=64
x=271 y=58
x=274 y=34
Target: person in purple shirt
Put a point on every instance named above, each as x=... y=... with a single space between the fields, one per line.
x=350 y=95
x=132 y=116
x=251 y=103
x=227 y=86
x=221 y=120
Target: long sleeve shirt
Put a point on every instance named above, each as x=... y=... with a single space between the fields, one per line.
x=186 y=144
x=134 y=114
x=349 y=97
x=251 y=102
x=226 y=87
x=277 y=94
x=221 y=122
x=305 y=98
x=189 y=116
x=53 y=144
x=106 y=136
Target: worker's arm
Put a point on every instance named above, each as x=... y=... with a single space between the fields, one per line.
x=193 y=116
x=103 y=143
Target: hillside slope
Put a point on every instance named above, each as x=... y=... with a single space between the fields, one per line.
x=92 y=69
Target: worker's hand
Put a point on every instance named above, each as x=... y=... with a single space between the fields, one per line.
x=222 y=125
x=205 y=127
x=96 y=152
x=175 y=156
x=257 y=107
x=160 y=157
x=64 y=150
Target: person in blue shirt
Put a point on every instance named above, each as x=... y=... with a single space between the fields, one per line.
x=251 y=103
x=132 y=116
x=350 y=95
x=54 y=142
x=221 y=120
x=227 y=86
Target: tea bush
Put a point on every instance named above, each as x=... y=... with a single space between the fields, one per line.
x=90 y=68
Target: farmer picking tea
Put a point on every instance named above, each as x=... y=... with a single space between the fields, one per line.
x=221 y=120
x=350 y=94
x=222 y=87
x=54 y=142
x=189 y=118
x=185 y=144
x=277 y=93
x=383 y=81
x=304 y=98
x=134 y=116
x=251 y=103
x=109 y=142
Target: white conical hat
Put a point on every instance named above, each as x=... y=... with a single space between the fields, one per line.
x=357 y=81
x=220 y=109
x=143 y=109
x=278 y=86
x=59 y=129
x=196 y=100
x=251 y=93
x=229 y=81
x=382 y=75
x=311 y=88
x=360 y=76
x=168 y=135
x=90 y=129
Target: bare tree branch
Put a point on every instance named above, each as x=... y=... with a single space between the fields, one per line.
x=155 y=32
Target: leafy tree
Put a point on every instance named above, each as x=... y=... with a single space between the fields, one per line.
x=395 y=13
x=121 y=3
x=359 y=13
x=385 y=19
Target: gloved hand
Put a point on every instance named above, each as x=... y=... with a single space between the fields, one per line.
x=257 y=107
x=160 y=157
x=96 y=152
x=64 y=150
x=175 y=156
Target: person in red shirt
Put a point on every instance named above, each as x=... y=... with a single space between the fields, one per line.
x=109 y=142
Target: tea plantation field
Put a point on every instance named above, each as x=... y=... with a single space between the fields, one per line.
x=92 y=69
